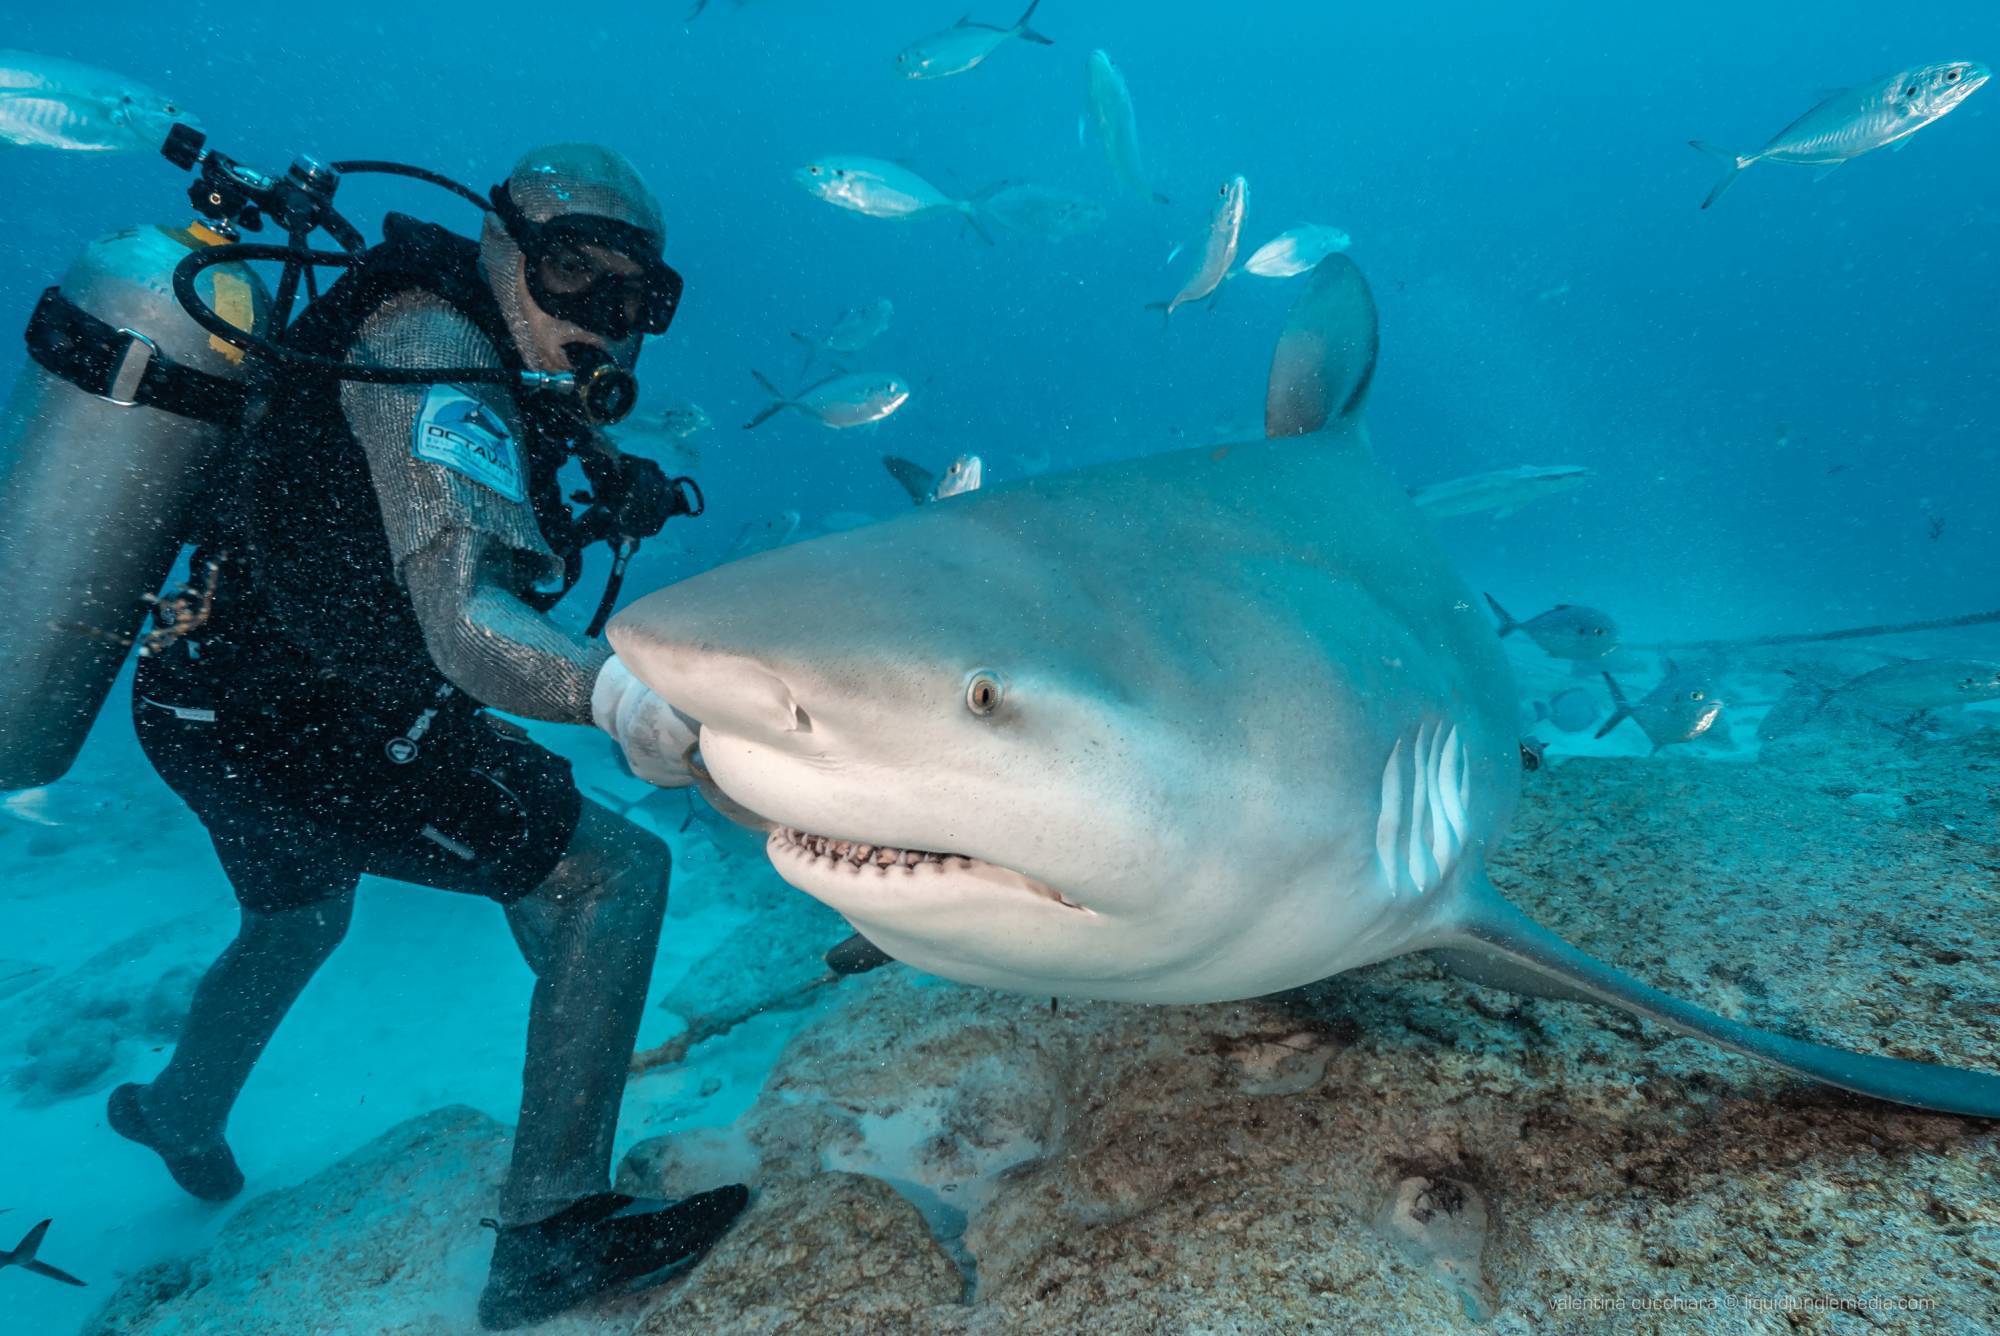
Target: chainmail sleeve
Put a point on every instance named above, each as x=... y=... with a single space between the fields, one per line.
x=463 y=546
x=422 y=498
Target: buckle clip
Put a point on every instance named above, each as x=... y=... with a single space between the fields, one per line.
x=132 y=367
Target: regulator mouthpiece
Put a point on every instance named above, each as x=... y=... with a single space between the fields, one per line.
x=605 y=392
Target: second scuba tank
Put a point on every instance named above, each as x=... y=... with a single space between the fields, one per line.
x=105 y=443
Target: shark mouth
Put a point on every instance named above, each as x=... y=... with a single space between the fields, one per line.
x=860 y=859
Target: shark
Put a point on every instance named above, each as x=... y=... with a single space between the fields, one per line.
x=1192 y=727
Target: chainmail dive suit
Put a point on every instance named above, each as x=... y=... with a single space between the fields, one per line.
x=329 y=720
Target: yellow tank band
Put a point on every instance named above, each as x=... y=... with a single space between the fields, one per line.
x=234 y=302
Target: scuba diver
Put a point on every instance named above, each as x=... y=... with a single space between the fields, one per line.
x=379 y=566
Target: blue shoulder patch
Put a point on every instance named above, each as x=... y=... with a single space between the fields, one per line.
x=458 y=432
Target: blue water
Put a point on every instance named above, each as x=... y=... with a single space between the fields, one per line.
x=1779 y=396
x=1480 y=157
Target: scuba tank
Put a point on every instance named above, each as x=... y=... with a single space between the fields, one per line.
x=105 y=443
x=141 y=370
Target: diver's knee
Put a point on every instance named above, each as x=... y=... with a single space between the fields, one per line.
x=609 y=854
x=307 y=930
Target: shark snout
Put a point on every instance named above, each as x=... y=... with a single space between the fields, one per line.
x=725 y=692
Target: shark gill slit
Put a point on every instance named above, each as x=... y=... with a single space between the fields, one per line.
x=1421 y=823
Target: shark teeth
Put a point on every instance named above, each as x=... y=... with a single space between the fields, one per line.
x=858 y=856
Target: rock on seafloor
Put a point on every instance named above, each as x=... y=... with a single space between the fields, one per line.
x=1391 y=1151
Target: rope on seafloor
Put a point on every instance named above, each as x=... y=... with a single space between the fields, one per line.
x=1811 y=637
x=708 y=1027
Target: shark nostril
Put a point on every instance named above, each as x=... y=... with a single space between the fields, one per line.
x=801 y=721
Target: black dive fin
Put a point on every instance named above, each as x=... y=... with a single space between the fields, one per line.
x=1326 y=356
x=915 y=478
x=1491 y=927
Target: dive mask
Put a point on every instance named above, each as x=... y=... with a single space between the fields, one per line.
x=570 y=283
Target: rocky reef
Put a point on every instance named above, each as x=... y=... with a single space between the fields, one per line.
x=1390 y=1151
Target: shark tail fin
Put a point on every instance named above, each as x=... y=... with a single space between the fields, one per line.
x=1027 y=34
x=1507 y=623
x=1494 y=943
x=1325 y=359
x=1736 y=162
x=915 y=478
x=1166 y=310
x=1619 y=715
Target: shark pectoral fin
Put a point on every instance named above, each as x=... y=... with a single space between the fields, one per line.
x=1326 y=356
x=1491 y=971
x=1513 y=946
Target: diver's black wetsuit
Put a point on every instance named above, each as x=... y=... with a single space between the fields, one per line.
x=384 y=559
x=307 y=724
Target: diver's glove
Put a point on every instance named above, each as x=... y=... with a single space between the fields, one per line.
x=655 y=738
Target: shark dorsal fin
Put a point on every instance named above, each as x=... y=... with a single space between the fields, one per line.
x=1326 y=356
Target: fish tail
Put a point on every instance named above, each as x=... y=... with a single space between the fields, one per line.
x=779 y=402
x=812 y=350
x=1507 y=623
x=1624 y=710
x=1736 y=162
x=970 y=208
x=1166 y=310
x=1027 y=34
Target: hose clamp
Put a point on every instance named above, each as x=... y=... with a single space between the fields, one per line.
x=133 y=364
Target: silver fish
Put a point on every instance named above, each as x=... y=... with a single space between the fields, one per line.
x=50 y=103
x=854 y=330
x=1296 y=251
x=1043 y=211
x=1924 y=684
x=1572 y=710
x=1854 y=121
x=881 y=189
x=1110 y=111
x=838 y=401
x=965 y=474
x=1503 y=491
x=962 y=46
x=1680 y=709
x=763 y=535
x=68 y=803
x=1566 y=631
x=1225 y=231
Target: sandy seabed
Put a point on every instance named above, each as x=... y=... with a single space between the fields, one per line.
x=1391 y=1150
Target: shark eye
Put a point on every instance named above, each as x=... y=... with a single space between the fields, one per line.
x=983 y=693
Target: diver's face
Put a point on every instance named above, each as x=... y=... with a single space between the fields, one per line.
x=550 y=337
